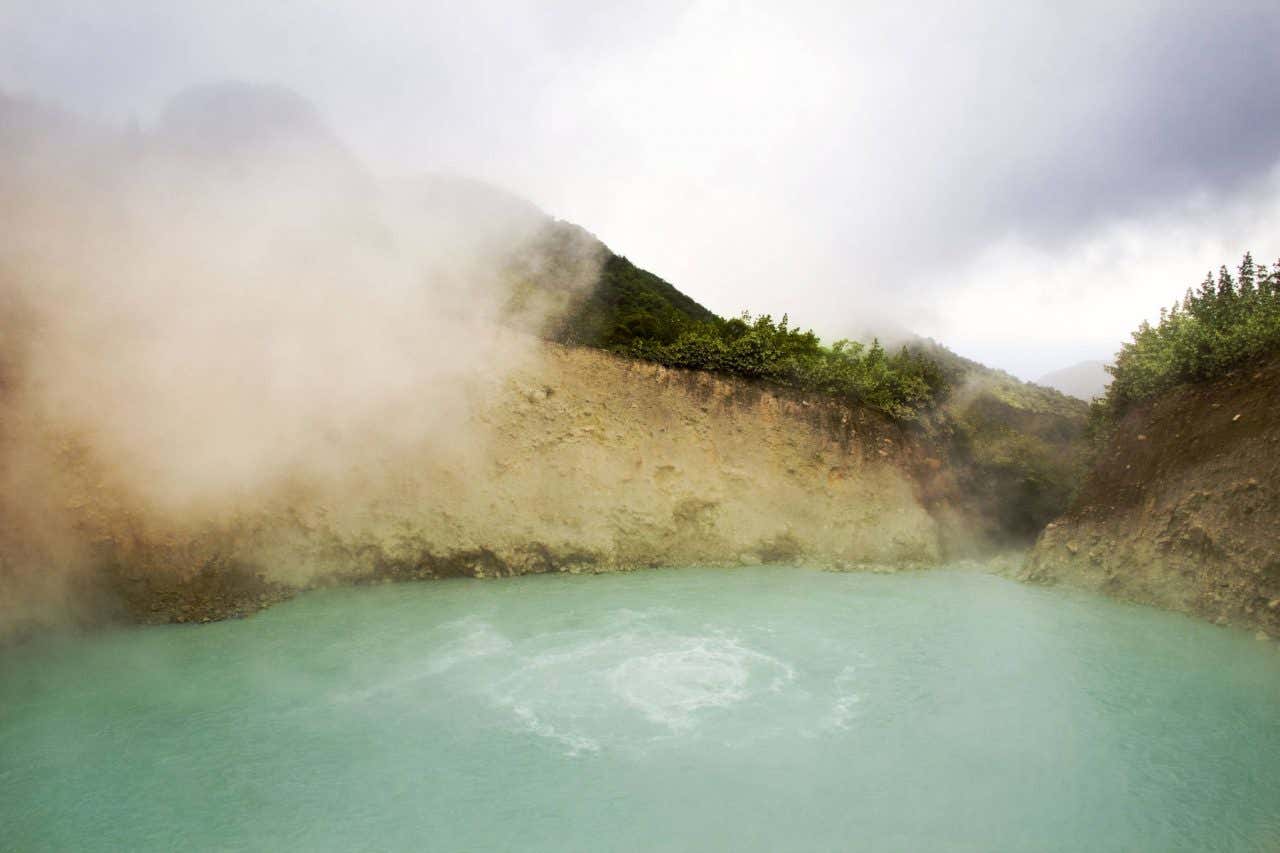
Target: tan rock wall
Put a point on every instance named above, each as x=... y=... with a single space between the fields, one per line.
x=577 y=460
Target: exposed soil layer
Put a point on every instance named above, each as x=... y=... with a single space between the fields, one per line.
x=577 y=460
x=1182 y=509
x=211 y=594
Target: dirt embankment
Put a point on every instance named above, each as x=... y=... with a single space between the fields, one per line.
x=1182 y=509
x=576 y=461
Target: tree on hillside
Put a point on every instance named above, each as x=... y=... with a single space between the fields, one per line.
x=1211 y=331
x=1246 y=278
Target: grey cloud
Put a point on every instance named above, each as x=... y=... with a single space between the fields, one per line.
x=834 y=159
x=1058 y=122
x=1191 y=113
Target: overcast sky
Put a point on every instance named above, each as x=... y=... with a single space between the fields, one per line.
x=1025 y=182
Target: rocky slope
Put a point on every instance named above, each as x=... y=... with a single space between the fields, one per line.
x=234 y=364
x=1182 y=507
x=578 y=460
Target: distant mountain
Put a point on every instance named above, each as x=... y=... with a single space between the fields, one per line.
x=1085 y=380
x=232 y=121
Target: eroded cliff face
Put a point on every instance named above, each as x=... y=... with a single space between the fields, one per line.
x=234 y=363
x=576 y=460
x=1182 y=509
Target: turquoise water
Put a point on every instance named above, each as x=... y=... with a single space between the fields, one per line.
x=693 y=709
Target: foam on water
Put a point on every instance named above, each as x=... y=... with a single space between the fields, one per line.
x=846 y=701
x=672 y=682
x=574 y=687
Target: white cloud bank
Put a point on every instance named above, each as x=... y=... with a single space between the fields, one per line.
x=1025 y=181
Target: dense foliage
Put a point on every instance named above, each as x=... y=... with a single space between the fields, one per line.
x=1213 y=329
x=629 y=304
x=635 y=313
x=760 y=348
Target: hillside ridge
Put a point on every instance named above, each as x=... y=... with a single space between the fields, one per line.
x=1180 y=508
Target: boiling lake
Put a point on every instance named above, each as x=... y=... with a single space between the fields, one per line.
x=767 y=708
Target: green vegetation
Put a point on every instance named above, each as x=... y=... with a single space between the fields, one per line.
x=1015 y=447
x=1027 y=397
x=898 y=384
x=637 y=314
x=1215 y=328
x=1021 y=464
x=630 y=304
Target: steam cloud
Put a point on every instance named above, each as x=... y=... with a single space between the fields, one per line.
x=195 y=315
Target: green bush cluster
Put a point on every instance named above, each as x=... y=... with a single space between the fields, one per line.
x=1213 y=329
x=635 y=313
x=627 y=304
x=898 y=384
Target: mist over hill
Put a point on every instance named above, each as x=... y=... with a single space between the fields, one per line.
x=220 y=328
x=1085 y=380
